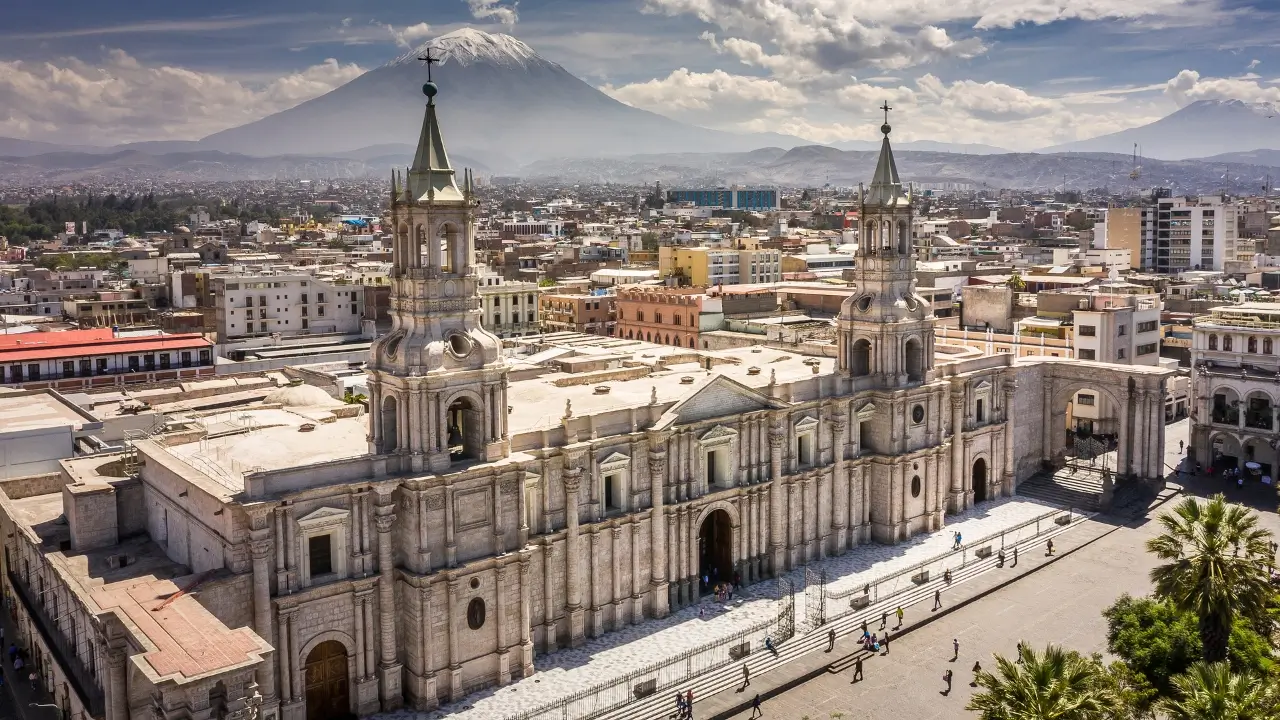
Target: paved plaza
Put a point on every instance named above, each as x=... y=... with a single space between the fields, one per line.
x=615 y=654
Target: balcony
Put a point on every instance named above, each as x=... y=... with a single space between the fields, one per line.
x=1226 y=416
x=64 y=654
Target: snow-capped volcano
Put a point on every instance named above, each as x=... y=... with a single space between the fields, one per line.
x=1202 y=128
x=469 y=46
x=498 y=102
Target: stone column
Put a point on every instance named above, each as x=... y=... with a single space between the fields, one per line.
x=573 y=574
x=260 y=548
x=593 y=594
x=839 y=482
x=1126 y=435
x=549 y=634
x=522 y=508
x=388 y=667
x=284 y=655
x=117 y=684
x=956 y=503
x=637 y=603
x=658 y=534
x=455 y=661
x=426 y=698
x=777 y=542
x=362 y=670
x=1009 y=479
x=504 y=657
x=526 y=619
x=1047 y=428
x=616 y=556
x=366 y=614
x=450 y=544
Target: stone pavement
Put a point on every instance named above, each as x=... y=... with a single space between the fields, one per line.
x=1042 y=600
x=615 y=654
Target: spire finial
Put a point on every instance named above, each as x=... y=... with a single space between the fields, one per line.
x=430 y=88
x=886 y=128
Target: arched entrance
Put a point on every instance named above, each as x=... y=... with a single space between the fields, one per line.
x=915 y=361
x=979 y=480
x=327 y=688
x=860 y=362
x=466 y=429
x=715 y=548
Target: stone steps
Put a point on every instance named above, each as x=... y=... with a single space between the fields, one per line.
x=1082 y=491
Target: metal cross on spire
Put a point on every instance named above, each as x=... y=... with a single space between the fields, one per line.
x=885 y=107
x=429 y=60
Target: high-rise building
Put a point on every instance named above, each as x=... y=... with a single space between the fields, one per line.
x=731 y=198
x=1194 y=233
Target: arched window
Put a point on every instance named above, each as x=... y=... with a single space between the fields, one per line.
x=1253 y=344
x=678 y=320
x=860 y=362
x=639 y=316
x=1226 y=343
x=657 y=317
x=1213 y=342
x=1266 y=346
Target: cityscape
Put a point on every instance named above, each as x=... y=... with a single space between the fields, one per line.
x=640 y=359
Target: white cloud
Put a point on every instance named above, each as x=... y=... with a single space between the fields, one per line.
x=1187 y=87
x=121 y=99
x=495 y=10
x=1253 y=64
x=710 y=98
x=408 y=35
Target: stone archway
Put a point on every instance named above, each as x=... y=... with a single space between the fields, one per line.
x=326 y=682
x=715 y=548
x=979 y=480
x=390 y=428
x=465 y=427
x=1095 y=411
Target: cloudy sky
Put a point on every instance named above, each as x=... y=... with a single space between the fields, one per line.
x=1019 y=74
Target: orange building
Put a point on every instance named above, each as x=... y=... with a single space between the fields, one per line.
x=667 y=315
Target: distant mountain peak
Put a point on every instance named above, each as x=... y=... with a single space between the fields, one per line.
x=469 y=46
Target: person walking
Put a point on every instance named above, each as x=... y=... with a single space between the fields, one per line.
x=937 y=599
x=1015 y=556
x=884 y=619
x=864 y=627
x=831 y=640
x=679 y=704
x=955 y=649
x=886 y=642
x=32 y=677
x=946 y=677
x=755 y=707
x=688 y=703
x=1019 y=660
x=977 y=668
x=899 y=613
x=857 y=669
x=746 y=676
x=1049 y=545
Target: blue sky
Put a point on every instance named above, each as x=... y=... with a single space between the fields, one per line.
x=1015 y=73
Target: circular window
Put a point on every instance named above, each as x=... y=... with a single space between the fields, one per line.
x=917 y=414
x=475 y=583
x=475 y=614
x=915 y=492
x=459 y=344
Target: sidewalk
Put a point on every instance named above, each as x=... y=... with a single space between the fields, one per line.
x=805 y=656
x=16 y=683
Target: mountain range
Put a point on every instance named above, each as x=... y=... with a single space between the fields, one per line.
x=1203 y=128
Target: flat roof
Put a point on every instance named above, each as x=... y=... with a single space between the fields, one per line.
x=32 y=411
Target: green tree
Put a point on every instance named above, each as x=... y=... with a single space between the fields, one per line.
x=1215 y=568
x=1155 y=639
x=1016 y=282
x=1210 y=691
x=1052 y=685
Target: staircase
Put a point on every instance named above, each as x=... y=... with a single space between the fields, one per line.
x=1081 y=489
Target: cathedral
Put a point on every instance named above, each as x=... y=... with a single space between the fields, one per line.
x=493 y=511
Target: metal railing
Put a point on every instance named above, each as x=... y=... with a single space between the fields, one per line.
x=612 y=694
x=82 y=680
x=846 y=601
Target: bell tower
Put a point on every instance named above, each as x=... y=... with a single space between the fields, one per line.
x=438 y=383
x=885 y=328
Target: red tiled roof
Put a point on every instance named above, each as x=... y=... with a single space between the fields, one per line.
x=80 y=343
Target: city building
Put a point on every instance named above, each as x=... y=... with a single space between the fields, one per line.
x=107 y=309
x=1235 y=357
x=667 y=316
x=75 y=359
x=1195 y=233
x=289 y=304
x=574 y=312
x=509 y=308
x=293 y=562
x=707 y=267
x=731 y=198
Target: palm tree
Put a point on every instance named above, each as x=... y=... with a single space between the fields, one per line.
x=1216 y=568
x=1209 y=691
x=1053 y=685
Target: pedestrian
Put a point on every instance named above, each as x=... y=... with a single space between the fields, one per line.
x=1239 y=480
x=977 y=668
x=946 y=576
x=857 y=669
x=937 y=599
x=1049 y=545
x=955 y=649
x=831 y=640
x=17 y=664
x=884 y=619
x=679 y=704
x=1015 y=556
x=1000 y=559
x=955 y=540
x=864 y=627
x=886 y=642
x=1182 y=446
x=899 y=613
x=959 y=540
x=1019 y=660
x=32 y=677
x=946 y=677
x=746 y=676
x=768 y=643
x=688 y=703
x=755 y=707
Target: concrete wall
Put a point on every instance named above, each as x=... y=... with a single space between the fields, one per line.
x=35 y=452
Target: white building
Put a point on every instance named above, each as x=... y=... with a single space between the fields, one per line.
x=288 y=304
x=1195 y=233
x=509 y=308
x=1235 y=358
